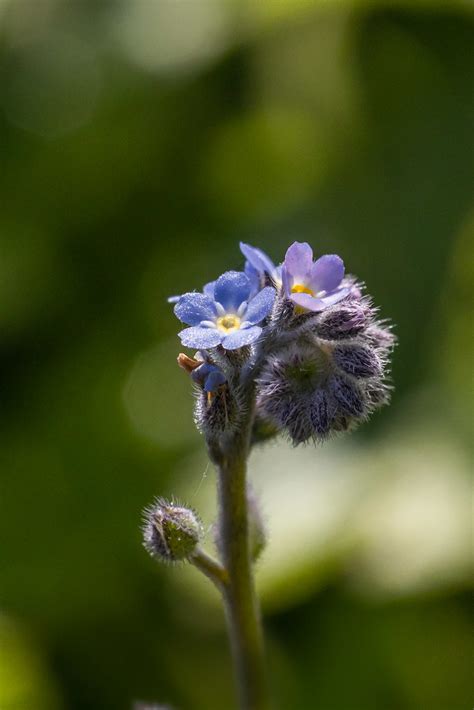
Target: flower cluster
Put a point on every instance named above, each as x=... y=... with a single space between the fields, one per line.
x=302 y=332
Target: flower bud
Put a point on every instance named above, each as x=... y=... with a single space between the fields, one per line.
x=322 y=412
x=342 y=321
x=171 y=532
x=357 y=360
x=347 y=395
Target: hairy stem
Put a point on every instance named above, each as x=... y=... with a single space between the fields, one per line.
x=243 y=616
x=210 y=567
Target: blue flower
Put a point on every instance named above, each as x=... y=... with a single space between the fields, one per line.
x=312 y=286
x=227 y=315
x=259 y=267
x=209 y=376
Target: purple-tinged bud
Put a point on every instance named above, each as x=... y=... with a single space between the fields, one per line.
x=299 y=424
x=342 y=321
x=322 y=412
x=170 y=531
x=291 y=391
x=357 y=360
x=348 y=396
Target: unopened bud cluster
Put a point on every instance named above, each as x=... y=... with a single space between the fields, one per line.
x=329 y=373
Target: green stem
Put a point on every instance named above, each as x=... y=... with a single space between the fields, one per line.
x=243 y=615
x=210 y=567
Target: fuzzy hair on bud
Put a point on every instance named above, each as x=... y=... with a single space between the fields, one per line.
x=171 y=532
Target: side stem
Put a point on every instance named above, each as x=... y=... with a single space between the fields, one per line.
x=242 y=611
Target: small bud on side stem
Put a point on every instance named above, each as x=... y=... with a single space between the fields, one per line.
x=171 y=532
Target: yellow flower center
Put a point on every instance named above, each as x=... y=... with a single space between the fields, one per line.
x=300 y=288
x=228 y=323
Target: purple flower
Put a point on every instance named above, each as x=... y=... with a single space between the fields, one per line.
x=209 y=376
x=226 y=315
x=312 y=286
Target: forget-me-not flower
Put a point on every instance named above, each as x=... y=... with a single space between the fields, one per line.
x=312 y=286
x=227 y=315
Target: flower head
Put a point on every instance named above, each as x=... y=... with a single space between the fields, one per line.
x=310 y=285
x=226 y=315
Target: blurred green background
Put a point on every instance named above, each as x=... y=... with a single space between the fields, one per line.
x=140 y=141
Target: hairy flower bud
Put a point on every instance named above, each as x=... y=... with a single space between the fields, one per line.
x=342 y=321
x=322 y=412
x=347 y=395
x=357 y=360
x=170 y=531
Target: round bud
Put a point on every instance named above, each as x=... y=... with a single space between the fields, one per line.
x=171 y=532
x=344 y=320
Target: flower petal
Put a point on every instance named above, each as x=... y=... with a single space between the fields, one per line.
x=298 y=260
x=304 y=300
x=286 y=280
x=200 y=373
x=255 y=278
x=327 y=273
x=208 y=290
x=336 y=296
x=241 y=337
x=192 y=308
x=231 y=289
x=260 y=306
x=257 y=258
x=200 y=337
